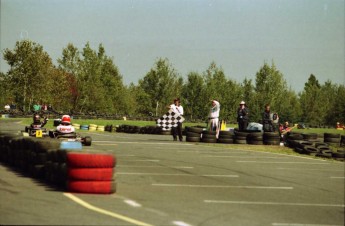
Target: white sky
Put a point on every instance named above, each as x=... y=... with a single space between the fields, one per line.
x=300 y=36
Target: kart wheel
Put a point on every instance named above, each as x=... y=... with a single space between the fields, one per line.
x=87 y=141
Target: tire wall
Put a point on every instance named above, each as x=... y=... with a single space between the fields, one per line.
x=70 y=170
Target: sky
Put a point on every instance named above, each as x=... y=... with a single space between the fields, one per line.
x=301 y=37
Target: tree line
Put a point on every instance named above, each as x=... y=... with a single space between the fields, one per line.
x=87 y=80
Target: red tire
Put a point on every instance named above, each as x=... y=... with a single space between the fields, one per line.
x=94 y=187
x=88 y=160
x=91 y=174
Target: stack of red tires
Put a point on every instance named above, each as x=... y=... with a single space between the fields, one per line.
x=91 y=173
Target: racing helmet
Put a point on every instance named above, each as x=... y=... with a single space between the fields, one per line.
x=37 y=118
x=66 y=119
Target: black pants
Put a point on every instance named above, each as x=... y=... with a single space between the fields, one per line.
x=177 y=131
x=242 y=125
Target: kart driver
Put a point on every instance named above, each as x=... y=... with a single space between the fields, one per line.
x=37 y=124
x=65 y=126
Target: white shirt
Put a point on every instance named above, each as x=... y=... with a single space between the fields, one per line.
x=214 y=112
x=65 y=129
x=177 y=109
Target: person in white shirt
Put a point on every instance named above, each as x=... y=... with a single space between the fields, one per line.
x=178 y=109
x=213 y=118
x=65 y=127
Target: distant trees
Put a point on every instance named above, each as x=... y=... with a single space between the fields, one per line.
x=158 y=88
x=87 y=80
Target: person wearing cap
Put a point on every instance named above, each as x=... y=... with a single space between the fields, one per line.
x=242 y=116
x=213 y=118
x=65 y=126
x=178 y=109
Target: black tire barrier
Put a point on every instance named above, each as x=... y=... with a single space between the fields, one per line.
x=208 y=136
x=193 y=139
x=331 y=135
x=225 y=133
x=226 y=140
x=209 y=140
x=43 y=159
x=255 y=142
x=191 y=134
x=239 y=141
x=195 y=129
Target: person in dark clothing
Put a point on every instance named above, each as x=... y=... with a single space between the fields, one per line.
x=242 y=116
x=178 y=109
x=37 y=121
x=270 y=120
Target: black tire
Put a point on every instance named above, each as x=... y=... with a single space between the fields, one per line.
x=209 y=136
x=191 y=134
x=226 y=141
x=324 y=148
x=310 y=149
x=240 y=138
x=241 y=134
x=255 y=142
x=209 y=140
x=225 y=137
x=332 y=140
x=195 y=129
x=209 y=132
x=226 y=133
x=240 y=141
x=270 y=135
x=295 y=136
x=331 y=135
x=338 y=155
x=272 y=142
x=317 y=144
x=87 y=141
x=340 y=151
x=193 y=139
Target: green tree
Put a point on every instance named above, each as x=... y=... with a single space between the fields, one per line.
x=159 y=87
x=98 y=83
x=270 y=87
x=310 y=101
x=192 y=96
x=29 y=72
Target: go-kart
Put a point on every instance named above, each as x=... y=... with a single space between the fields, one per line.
x=71 y=137
x=36 y=131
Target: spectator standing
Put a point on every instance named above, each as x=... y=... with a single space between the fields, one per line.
x=270 y=120
x=36 y=107
x=213 y=118
x=178 y=109
x=242 y=116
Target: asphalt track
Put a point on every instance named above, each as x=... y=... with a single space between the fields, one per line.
x=161 y=182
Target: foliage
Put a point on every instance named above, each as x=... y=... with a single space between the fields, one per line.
x=87 y=80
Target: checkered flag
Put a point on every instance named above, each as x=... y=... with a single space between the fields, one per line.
x=169 y=120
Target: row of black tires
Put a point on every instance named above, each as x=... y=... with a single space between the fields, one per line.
x=137 y=129
x=70 y=170
x=199 y=134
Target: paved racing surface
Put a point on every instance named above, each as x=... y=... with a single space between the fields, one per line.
x=161 y=182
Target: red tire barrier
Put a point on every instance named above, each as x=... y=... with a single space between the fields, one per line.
x=88 y=160
x=91 y=174
x=94 y=187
